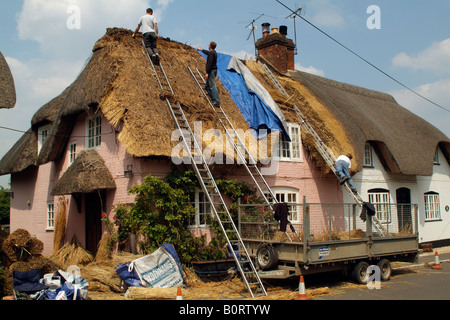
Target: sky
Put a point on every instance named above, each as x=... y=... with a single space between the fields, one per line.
x=48 y=42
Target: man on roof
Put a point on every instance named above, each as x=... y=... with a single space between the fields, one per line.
x=343 y=165
x=211 y=73
x=151 y=33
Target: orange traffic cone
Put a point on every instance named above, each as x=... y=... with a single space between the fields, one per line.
x=437 y=264
x=302 y=291
x=179 y=295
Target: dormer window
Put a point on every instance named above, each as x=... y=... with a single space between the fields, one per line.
x=94 y=133
x=291 y=150
x=43 y=134
x=368 y=157
x=436 y=158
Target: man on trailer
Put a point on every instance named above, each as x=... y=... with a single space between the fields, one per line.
x=211 y=73
x=151 y=33
x=343 y=165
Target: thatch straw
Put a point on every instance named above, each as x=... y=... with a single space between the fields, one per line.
x=7 y=87
x=87 y=174
x=60 y=224
x=36 y=247
x=17 y=245
x=71 y=254
x=104 y=251
x=20 y=238
x=137 y=293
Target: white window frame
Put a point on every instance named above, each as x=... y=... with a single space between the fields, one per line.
x=72 y=152
x=291 y=151
x=436 y=161
x=382 y=201
x=368 y=155
x=50 y=216
x=289 y=196
x=43 y=134
x=94 y=133
x=203 y=209
x=432 y=206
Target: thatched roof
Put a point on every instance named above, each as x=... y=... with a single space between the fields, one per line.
x=87 y=174
x=348 y=116
x=119 y=83
x=21 y=156
x=7 y=88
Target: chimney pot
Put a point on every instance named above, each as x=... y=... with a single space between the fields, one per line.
x=266 y=29
x=283 y=30
x=275 y=30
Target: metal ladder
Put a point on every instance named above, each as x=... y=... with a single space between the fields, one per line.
x=243 y=260
x=320 y=146
x=242 y=152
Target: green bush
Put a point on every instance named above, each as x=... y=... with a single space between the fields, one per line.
x=161 y=213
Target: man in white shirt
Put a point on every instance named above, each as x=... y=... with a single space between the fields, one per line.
x=343 y=165
x=151 y=33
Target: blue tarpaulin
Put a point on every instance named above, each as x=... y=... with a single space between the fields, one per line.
x=258 y=113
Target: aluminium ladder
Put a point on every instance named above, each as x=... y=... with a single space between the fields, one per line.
x=249 y=273
x=240 y=148
x=321 y=147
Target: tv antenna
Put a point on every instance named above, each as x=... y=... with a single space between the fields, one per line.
x=252 y=28
x=299 y=12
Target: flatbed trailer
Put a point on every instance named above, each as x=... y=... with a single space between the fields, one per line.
x=301 y=254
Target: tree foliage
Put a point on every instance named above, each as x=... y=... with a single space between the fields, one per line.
x=4 y=205
x=162 y=212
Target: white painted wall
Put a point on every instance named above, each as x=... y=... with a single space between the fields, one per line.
x=378 y=178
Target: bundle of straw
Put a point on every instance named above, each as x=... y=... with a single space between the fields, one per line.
x=71 y=254
x=60 y=225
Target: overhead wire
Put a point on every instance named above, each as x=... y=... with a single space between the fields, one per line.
x=363 y=59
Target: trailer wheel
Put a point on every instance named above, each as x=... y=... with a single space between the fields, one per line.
x=360 y=274
x=386 y=269
x=266 y=257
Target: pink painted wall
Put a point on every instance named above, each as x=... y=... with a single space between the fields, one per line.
x=35 y=185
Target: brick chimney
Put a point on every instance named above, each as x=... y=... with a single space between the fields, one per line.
x=276 y=48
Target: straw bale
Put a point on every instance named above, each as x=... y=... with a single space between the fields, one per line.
x=13 y=246
x=71 y=254
x=101 y=278
x=20 y=238
x=138 y=293
x=36 y=246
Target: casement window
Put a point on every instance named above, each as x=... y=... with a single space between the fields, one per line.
x=436 y=158
x=289 y=196
x=72 y=152
x=291 y=150
x=432 y=206
x=94 y=132
x=50 y=216
x=380 y=198
x=43 y=134
x=203 y=210
x=368 y=156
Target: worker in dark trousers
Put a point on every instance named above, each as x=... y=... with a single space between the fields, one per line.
x=151 y=33
x=343 y=165
x=211 y=73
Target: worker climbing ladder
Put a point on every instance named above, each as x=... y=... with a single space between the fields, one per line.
x=238 y=145
x=242 y=258
x=321 y=147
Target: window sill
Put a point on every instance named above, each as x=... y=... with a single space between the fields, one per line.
x=433 y=220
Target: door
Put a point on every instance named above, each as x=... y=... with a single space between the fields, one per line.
x=404 y=210
x=93 y=212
